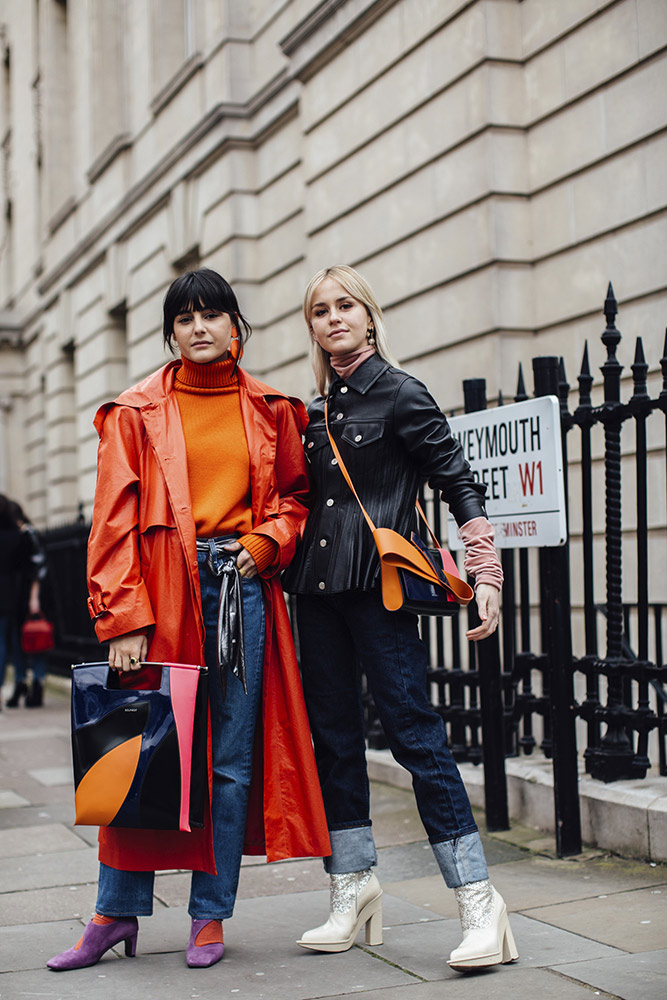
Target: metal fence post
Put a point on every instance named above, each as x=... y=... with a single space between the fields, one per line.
x=558 y=639
x=614 y=758
x=490 y=688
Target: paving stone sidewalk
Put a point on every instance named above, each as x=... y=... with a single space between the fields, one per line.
x=590 y=925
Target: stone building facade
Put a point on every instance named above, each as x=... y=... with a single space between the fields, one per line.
x=488 y=164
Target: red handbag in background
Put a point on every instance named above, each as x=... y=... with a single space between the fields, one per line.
x=36 y=635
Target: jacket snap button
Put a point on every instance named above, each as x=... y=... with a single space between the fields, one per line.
x=344 y=389
x=358 y=437
x=322 y=585
x=339 y=416
x=310 y=444
x=330 y=502
x=334 y=461
x=323 y=543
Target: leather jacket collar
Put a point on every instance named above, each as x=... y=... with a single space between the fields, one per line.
x=365 y=376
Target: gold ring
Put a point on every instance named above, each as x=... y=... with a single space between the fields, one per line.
x=133 y=660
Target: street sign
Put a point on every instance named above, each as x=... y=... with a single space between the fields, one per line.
x=516 y=451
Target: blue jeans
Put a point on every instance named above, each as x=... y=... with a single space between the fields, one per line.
x=124 y=893
x=338 y=633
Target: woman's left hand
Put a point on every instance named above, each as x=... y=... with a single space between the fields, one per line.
x=488 y=607
x=245 y=561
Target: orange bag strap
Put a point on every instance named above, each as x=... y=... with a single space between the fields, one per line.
x=343 y=469
x=428 y=526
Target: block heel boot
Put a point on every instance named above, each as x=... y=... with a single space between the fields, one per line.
x=355 y=902
x=487 y=935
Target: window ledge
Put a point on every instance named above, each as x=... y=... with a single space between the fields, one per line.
x=61 y=216
x=177 y=82
x=108 y=155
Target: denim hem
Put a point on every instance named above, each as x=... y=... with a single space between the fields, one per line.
x=352 y=850
x=139 y=912
x=461 y=860
x=353 y=825
x=454 y=836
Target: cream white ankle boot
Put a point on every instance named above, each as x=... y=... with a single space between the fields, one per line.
x=355 y=900
x=487 y=936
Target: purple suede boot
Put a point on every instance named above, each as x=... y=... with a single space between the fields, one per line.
x=97 y=938
x=204 y=955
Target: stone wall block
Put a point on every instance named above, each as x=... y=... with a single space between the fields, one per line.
x=421 y=74
x=552 y=149
x=505 y=159
x=552 y=219
x=565 y=285
x=367 y=56
x=505 y=86
x=543 y=20
x=600 y=50
x=634 y=104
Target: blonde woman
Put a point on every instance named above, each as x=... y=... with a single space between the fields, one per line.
x=392 y=437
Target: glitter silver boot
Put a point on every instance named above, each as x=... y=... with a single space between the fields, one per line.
x=355 y=901
x=487 y=935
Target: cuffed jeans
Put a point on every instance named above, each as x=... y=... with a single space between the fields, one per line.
x=124 y=893
x=338 y=634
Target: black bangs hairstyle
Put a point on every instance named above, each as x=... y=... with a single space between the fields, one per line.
x=202 y=289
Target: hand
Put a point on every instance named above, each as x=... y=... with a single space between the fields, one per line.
x=488 y=608
x=127 y=651
x=245 y=561
x=34 y=608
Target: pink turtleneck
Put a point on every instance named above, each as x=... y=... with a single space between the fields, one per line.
x=345 y=364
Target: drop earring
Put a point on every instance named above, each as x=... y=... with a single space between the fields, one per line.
x=235 y=346
x=370 y=336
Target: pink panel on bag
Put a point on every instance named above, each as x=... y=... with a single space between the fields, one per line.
x=183 y=687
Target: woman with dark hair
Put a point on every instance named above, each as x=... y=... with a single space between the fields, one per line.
x=198 y=462
x=392 y=437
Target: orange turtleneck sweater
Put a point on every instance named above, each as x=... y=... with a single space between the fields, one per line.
x=217 y=452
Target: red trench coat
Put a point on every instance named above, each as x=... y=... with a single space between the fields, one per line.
x=142 y=574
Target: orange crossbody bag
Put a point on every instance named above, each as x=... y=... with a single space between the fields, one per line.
x=415 y=578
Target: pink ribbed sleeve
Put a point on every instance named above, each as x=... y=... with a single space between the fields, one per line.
x=481 y=559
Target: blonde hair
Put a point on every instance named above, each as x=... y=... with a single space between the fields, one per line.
x=358 y=288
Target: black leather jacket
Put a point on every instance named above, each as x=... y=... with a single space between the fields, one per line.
x=392 y=436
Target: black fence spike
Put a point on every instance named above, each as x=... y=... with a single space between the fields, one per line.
x=585 y=380
x=610 y=305
x=585 y=366
x=639 y=372
x=612 y=368
x=663 y=366
x=521 y=393
x=563 y=386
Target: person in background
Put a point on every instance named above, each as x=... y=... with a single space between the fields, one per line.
x=392 y=436
x=201 y=465
x=15 y=564
x=29 y=605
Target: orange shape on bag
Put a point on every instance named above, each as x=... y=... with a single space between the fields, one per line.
x=104 y=787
